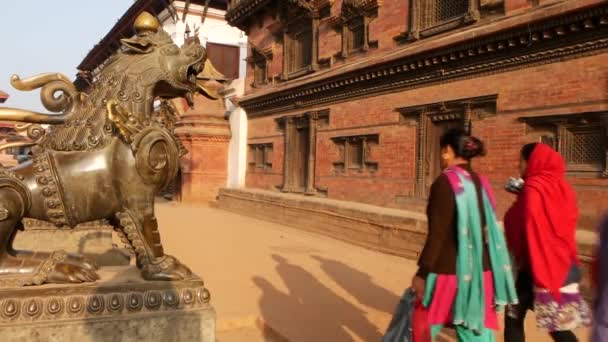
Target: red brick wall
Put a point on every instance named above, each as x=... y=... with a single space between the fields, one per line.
x=392 y=20
x=573 y=86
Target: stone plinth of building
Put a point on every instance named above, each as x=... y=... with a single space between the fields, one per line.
x=119 y=307
x=205 y=133
x=92 y=239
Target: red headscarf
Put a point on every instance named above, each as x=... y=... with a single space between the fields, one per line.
x=541 y=225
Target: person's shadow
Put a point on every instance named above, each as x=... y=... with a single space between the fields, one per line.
x=360 y=285
x=310 y=311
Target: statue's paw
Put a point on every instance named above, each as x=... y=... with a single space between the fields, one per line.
x=67 y=272
x=81 y=261
x=166 y=268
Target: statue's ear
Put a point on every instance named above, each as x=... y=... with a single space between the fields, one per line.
x=137 y=45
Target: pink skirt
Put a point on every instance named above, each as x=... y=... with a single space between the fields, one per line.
x=444 y=295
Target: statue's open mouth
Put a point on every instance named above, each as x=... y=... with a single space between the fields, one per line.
x=190 y=81
x=193 y=70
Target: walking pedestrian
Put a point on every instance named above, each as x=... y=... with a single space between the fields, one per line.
x=464 y=270
x=540 y=229
x=600 y=284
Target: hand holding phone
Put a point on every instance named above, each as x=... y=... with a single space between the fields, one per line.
x=514 y=185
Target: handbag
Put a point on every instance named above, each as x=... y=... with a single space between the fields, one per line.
x=400 y=328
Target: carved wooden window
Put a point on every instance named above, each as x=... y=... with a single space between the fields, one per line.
x=260 y=73
x=429 y=17
x=260 y=156
x=440 y=11
x=353 y=22
x=355 y=153
x=582 y=139
x=299 y=48
x=583 y=148
x=356 y=35
x=431 y=122
x=258 y=61
x=260 y=69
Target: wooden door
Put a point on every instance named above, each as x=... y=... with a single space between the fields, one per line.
x=300 y=158
x=433 y=149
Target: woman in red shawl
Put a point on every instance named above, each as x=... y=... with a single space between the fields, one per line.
x=540 y=228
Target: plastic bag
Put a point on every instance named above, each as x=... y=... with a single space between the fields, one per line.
x=400 y=328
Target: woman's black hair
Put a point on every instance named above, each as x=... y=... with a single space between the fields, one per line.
x=527 y=150
x=463 y=145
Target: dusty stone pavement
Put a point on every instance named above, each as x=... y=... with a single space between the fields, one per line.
x=269 y=282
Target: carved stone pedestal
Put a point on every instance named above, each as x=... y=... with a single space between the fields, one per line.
x=120 y=307
x=205 y=133
x=93 y=239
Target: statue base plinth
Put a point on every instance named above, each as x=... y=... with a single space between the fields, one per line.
x=119 y=307
x=93 y=239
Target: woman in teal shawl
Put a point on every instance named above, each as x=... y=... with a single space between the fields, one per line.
x=464 y=273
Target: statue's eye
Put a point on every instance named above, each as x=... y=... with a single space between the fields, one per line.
x=171 y=50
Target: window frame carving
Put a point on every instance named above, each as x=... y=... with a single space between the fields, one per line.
x=363 y=144
x=266 y=151
x=560 y=131
x=424 y=116
x=419 y=25
x=260 y=59
x=290 y=14
x=355 y=10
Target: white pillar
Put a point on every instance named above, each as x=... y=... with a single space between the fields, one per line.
x=237 y=150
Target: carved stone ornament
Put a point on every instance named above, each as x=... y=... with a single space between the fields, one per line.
x=105 y=157
x=129 y=300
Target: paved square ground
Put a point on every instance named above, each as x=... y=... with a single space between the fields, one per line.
x=270 y=282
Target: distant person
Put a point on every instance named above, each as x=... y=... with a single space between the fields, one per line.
x=600 y=285
x=540 y=229
x=464 y=270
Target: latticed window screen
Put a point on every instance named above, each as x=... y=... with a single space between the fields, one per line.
x=439 y=11
x=549 y=140
x=356 y=36
x=583 y=146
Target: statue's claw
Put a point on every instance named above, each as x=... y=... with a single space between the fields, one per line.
x=166 y=268
x=66 y=272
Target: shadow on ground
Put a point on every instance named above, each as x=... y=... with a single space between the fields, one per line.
x=310 y=310
x=360 y=285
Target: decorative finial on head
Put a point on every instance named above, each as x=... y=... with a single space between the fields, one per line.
x=146 y=22
x=187 y=32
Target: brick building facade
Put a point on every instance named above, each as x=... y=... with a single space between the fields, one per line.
x=346 y=99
